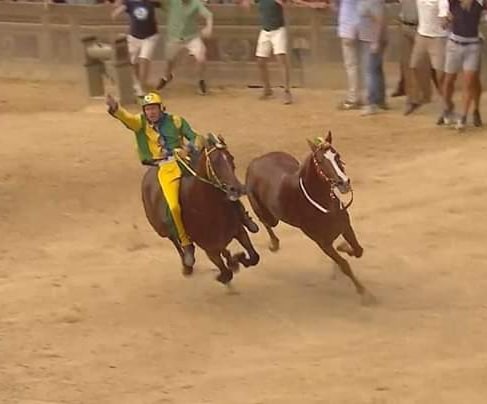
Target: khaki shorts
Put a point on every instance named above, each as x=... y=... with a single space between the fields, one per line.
x=433 y=48
x=195 y=47
x=141 y=48
x=271 y=42
x=462 y=57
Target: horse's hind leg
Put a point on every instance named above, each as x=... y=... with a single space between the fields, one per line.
x=187 y=271
x=244 y=240
x=225 y=274
x=266 y=219
x=367 y=297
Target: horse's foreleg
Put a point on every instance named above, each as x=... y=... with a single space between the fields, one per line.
x=356 y=249
x=244 y=240
x=274 y=241
x=187 y=271
x=267 y=219
x=233 y=262
x=225 y=274
x=344 y=266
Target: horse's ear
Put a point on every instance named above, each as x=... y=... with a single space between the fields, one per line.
x=221 y=139
x=312 y=145
x=210 y=140
x=328 y=138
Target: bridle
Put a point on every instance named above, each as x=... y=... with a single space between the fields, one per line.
x=210 y=171
x=211 y=174
x=332 y=183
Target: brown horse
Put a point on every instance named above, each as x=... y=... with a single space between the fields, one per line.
x=209 y=203
x=306 y=197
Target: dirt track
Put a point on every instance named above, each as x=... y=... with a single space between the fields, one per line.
x=94 y=309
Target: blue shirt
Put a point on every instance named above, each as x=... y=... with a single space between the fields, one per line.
x=142 y=16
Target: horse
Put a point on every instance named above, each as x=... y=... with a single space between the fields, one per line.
x=208 y=195
x=307 y=197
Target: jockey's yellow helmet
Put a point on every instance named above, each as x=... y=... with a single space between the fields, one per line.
x=151 y=99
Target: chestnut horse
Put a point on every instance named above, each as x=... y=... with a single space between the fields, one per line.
x=208 y=196
x=305 y=196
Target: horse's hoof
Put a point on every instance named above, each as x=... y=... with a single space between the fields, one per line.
x=234 y=266
x=254 y=260
x=187 y=271
x=368 y=299
x=274 y=246
x=225 y=277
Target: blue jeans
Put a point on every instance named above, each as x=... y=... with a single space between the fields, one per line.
x=376 y=81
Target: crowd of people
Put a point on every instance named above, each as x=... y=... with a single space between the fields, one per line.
x=438 y=40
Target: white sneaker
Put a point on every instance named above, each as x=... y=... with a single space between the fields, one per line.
x=461 y=123
x=370 y=109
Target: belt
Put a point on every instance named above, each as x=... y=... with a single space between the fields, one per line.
x=465 y=43
x=410 y=24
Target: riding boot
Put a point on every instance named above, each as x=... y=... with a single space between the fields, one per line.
x=188 y=255
x=246 y=219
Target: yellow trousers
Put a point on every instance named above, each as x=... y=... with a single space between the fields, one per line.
x=169 y=176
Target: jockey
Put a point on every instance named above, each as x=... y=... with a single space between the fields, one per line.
x=159 y=135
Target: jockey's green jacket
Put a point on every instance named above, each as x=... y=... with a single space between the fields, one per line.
x=158 y=141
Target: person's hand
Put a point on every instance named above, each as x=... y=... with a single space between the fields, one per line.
x=111 y=102
x=374 y=47
x=206 y=32
x=181 y=153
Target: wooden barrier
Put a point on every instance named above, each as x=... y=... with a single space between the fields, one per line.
x=51 y=34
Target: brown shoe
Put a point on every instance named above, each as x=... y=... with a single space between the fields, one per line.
x=164 y=81
x=266 y=94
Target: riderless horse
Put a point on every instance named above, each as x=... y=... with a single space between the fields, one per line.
x=307 y=196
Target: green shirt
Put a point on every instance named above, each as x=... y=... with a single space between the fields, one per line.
x=182 y=19
x=159 y=141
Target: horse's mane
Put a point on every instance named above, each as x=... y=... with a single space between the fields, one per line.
x=211 y=141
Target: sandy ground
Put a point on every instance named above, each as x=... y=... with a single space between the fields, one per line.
x=94 y=309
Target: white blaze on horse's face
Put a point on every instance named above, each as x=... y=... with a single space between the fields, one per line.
x=343 y=184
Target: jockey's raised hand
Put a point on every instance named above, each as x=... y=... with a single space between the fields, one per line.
x=111 y=102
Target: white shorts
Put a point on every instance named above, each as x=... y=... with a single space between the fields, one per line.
x=195 y=47
x=141 y=48
x=272 y=41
